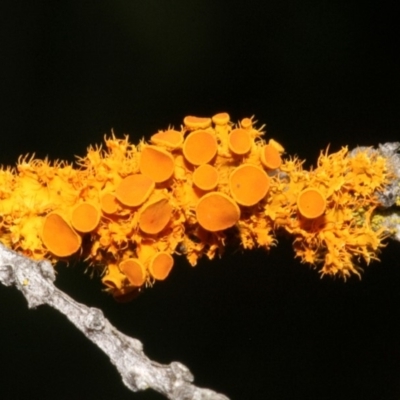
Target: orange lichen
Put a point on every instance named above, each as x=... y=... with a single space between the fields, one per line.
x=134 y=271
x=248 y=184
x=171 y=139
x=277 y=145
x=221 y=118
x=270 y=156
x=108 y=203
x=114 y=279
x=192 y=122
x=118 y=284
x=160 y=265
x=138 y=205
x=311 y=203
x=200 y=147
x=240 y=141
x=85 y=217
x=134 y=190
x=216 y=212
x=205 y=177
x=246 y=123
x=59 y=237
x=154 y=216
x=156 y=163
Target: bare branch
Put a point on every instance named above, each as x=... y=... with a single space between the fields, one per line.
x=36 y=281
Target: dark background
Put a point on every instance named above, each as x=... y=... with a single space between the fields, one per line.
x=251 y=325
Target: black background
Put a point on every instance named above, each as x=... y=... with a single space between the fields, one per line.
x=251 y=325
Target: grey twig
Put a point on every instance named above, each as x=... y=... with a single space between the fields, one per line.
x=36 y=281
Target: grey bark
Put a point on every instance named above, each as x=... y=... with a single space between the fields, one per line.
x=36 y=282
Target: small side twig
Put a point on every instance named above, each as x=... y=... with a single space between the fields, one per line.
x=36 y=281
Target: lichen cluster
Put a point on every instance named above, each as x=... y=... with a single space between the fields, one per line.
x=128 y=209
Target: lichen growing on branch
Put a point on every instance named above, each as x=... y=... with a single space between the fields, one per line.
x=128 y=209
